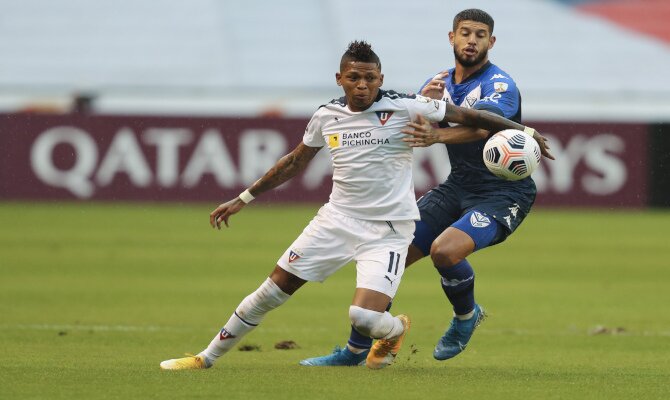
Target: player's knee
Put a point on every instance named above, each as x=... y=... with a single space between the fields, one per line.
x=443 y=256
x=366 y=322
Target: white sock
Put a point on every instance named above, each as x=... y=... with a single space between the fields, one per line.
x=355 y=350
x=375 y=324
x=246 y=317
x=396 y=328
x=465 y=316
x=226 y=339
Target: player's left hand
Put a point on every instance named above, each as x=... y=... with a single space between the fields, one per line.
x=421 y=132
x=542 y=142
x=224 y=211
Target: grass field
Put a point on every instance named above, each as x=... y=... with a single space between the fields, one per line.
x=93 y=297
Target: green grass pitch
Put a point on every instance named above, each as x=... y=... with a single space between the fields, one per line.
x=94 y=296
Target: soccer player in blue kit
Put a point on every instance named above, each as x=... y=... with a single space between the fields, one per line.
x=472 y=209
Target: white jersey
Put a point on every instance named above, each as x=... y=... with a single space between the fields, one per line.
x=372 y=166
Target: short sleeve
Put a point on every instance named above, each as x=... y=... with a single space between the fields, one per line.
x=313 y=136
x=500 y=96
x=432 y=110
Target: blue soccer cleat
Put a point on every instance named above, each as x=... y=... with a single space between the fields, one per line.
x=340 y=357
x=458 y=335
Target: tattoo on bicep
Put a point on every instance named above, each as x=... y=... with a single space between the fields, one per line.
x=286 y=168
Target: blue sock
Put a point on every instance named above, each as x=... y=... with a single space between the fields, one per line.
x=361 y=341
x=458 y=283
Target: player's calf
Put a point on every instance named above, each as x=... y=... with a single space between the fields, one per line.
x=246 y=317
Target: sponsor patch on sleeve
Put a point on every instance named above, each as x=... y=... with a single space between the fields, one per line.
x=500 y=87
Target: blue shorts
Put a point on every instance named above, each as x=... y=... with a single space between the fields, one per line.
x=449 y=205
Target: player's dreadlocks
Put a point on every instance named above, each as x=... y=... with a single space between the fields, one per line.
x=474 y=14
x=361 y=51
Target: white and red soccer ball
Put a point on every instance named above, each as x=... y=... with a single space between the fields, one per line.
x=511 y=155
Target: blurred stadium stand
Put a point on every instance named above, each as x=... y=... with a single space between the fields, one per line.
x=574 y=60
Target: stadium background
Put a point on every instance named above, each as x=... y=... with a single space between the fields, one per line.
x=110 y=107
x=129 y=100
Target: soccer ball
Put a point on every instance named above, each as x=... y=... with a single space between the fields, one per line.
x=511 y=155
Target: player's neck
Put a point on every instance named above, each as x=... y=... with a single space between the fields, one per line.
x=462 y=72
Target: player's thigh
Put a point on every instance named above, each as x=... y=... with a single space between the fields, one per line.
x=452 y=246
x=439 y=208
x=380 y=260
x=325 y=246
x=474 y=231
x=414 y=254
x=508 y=209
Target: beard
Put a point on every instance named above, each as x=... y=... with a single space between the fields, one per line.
x=470 y=62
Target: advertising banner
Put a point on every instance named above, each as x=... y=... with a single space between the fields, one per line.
x=137 y=158
x=596 y=165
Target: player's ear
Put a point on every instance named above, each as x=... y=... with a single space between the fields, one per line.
x=381 y=79
x=451 y=38
x=338 y=78
x=492 y=41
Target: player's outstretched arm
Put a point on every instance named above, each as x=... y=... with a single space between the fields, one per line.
x=286 y=168
x=492 y=122
x=422 y=134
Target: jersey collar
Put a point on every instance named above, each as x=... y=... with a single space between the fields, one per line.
x=474 y=75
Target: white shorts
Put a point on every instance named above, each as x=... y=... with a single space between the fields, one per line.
x=332 y=239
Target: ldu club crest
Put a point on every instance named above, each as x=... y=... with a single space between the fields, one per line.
x=384 y=116
x=292 y=256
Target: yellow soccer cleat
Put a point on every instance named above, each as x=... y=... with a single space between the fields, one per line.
x=190 y=362
x=383 y=352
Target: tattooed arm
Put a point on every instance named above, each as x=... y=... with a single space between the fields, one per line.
x=286 y=168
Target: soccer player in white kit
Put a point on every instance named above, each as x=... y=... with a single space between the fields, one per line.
x=369 y=217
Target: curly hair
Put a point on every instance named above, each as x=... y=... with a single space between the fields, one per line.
x=474 y=14
x=361 y=51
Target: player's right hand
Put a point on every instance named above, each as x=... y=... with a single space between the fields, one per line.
x=421 y=133
x=224 y=211
x=435 y=88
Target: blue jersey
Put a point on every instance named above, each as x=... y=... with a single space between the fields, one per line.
x=491 y=89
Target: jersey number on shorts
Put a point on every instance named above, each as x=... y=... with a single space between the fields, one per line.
x=393 y=256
